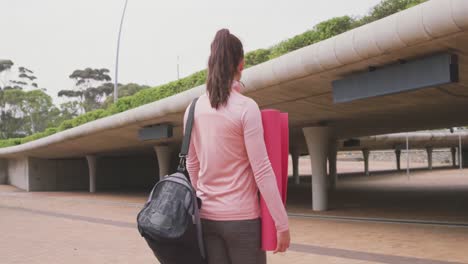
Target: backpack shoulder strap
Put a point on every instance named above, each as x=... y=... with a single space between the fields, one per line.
x=198 y=226
x=183 y=156
x=187 y=135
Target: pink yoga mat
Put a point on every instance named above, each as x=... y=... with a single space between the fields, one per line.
x=285 y=154
x=273 y=126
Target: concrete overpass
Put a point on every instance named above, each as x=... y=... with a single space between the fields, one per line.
x=108 y=154
x=428 y=141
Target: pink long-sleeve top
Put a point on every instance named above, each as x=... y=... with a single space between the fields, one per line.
x=228 y=162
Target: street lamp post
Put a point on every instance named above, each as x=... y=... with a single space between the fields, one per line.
x=178 y=69
x=116 y=81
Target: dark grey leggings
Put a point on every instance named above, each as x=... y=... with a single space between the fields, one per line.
x=233 y=242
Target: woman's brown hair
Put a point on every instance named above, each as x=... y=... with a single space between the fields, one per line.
x=226 y=55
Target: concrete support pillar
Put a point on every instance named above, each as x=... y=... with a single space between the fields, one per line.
x=332 y=153
x=454 y=156
x=295 y=163
x=3 y=171
x=92 y=165
x=429 y=157
x=365 y=154
x=398 y=158
x=317 y=139
x=164 y=155
x=463 y=158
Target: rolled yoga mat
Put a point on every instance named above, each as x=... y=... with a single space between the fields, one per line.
x=273 y=125
x=285 y=154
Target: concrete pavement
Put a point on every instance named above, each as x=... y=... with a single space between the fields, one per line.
x=77 y=227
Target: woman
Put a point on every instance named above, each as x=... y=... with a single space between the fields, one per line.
x=228 y=163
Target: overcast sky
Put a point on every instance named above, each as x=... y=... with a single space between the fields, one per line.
x=55 y=37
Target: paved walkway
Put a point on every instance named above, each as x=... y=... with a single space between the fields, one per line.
x=437 y=195
x=78 y=227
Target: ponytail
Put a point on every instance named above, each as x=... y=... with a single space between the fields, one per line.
x=226 y=54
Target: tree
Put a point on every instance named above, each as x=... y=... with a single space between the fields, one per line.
x=57 y=115
x=27 y=77
x=8 y=123
x=130 y=89
x=10 y=126
x=69 y=110
x=24 y=109
x=11 y=116
x=5 y=66
x=91 y=88
x=124 y=90
x=38 y=106
x=34 y=107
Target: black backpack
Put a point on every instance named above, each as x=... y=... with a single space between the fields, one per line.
x=170 y=220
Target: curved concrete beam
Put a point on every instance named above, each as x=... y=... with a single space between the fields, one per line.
x=416 y=139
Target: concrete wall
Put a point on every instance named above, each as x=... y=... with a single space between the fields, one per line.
x=465 y=157
x=42 y=175
x=58 y=175
x=18 y=173
x=3 y=171
x=72 y=174
x=127 y=172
